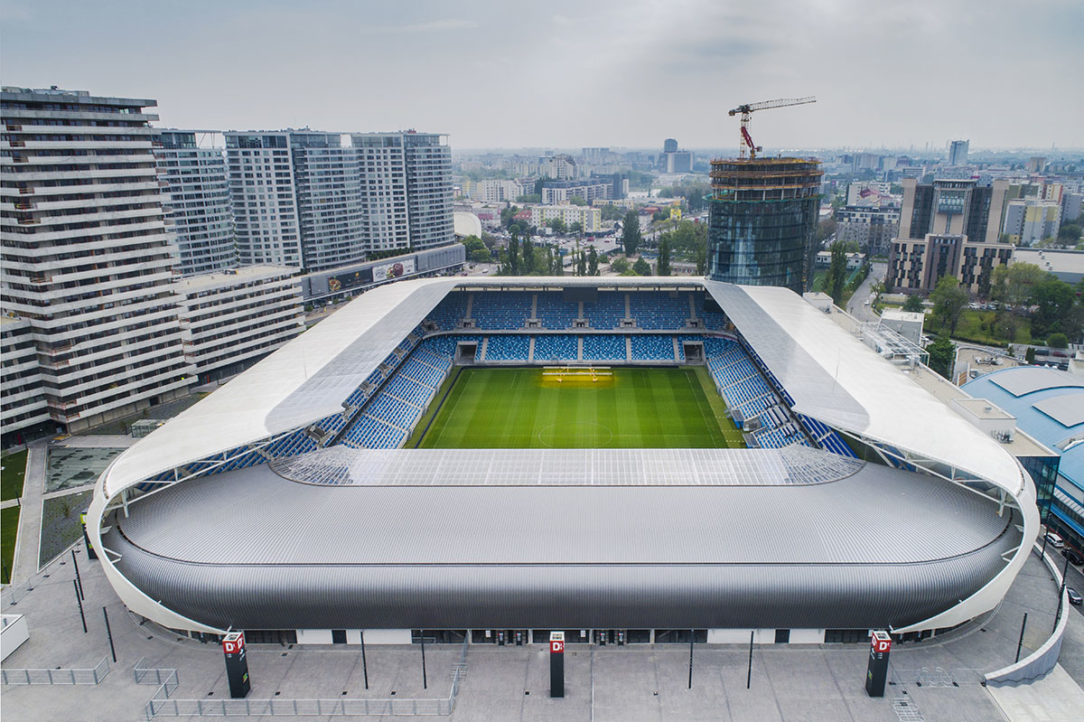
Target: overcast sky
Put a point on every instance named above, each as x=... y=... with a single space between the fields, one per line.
x=620 y=73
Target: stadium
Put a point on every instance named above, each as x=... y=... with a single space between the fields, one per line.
x=633 y=459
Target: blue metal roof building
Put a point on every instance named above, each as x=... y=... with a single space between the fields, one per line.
x=1048 y=405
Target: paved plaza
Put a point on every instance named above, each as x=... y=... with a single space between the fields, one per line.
x=933 y=681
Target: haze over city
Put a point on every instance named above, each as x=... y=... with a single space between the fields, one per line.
x=568 y=74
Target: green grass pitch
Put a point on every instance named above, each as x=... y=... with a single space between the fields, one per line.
x=520 y=408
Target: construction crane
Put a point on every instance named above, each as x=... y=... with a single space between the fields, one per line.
x=747 y=111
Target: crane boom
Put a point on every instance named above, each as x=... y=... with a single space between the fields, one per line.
x=746 y=111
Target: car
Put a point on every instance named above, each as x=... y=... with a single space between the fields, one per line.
x=1054 y=540
x=1074 y=596
x=1073 y=556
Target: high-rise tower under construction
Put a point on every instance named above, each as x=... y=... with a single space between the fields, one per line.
x=763 y=221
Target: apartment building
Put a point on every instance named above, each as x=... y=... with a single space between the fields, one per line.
x=88 y=262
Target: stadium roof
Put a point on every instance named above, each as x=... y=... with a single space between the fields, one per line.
x=831 y=375
x=835 y=378
x=566 y=553
x=1048 y=404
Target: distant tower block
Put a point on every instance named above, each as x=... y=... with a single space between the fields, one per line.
x=669 y=145
x=763 y=220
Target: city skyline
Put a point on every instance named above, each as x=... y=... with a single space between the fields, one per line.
x=628 y=75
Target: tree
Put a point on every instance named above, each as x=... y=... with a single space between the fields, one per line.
x=1069 y=233
x=528 y=257
x=1015 y=284
x=575 y=227
x=619 y=265
x=557 y=225
x=942 y=354
x=1058 y=340
x=577 y=201
x=1054 y=301
x=913 y=304
x=592 y=262
x=630 y=233
x=836 y=279
x=529 y=198
x=663 y=266
x=641 y=267
x=949 y=302
x=507 y=214
x=513 y=256
x=610 y=212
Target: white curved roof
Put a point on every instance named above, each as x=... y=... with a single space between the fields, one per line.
x=831 y=375
x=467 y=224
x=837 y=379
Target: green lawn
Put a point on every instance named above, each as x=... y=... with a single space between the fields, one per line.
x=633 y=408
x=11 y=479
x=980 y=327
x=9 y=528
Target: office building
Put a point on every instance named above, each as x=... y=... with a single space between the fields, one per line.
x=950 y=227
x=198 y=207
x=1029 y=220
x=763 y=218
x=88 y=259
x=673 y=160
x=234 y=317
x=958 y=152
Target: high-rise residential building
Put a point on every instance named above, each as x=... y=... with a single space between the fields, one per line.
x=670 y=145
x=763 y=219
x=22 y=396
x=950 y=227
x=871 y=227
x=406 y=189
x=497 y=191
x=958 y=152
x=234 y=317
x=198 y=208
x=558 y=167
x=328 y=183
x=557 y=193
x=590 y=219
x=88 y=262
x=264 y=198
x=1030 y=220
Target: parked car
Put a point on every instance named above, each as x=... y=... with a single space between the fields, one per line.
x=1073 y=556
x=1074 y=596
x=1054 y=540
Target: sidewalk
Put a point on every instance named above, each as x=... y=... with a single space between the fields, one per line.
x=26 y=544
x=1054 y=698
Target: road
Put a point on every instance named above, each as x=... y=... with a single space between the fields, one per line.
x=857 y=305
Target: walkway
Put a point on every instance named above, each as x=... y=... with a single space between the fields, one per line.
x=26 y=544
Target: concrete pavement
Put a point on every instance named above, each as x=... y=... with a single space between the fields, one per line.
x=29 y=536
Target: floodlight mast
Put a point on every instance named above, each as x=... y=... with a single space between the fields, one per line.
x=747 y=110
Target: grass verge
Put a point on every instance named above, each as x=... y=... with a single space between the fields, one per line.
x=9 y=530
x=11 y=478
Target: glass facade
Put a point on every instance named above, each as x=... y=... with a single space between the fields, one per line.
x=763 y=216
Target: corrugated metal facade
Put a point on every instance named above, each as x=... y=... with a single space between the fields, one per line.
x=879 y=547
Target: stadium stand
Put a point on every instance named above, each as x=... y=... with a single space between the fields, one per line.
x=652 y=348
x=494 y=310
x=659 y=311
x=450 y=311
x=507 y=348
x=603 y=348
x=607 y=312
x=555 y=348
x=554 y=313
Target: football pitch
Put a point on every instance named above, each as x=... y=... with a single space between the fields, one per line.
x=517 y=408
